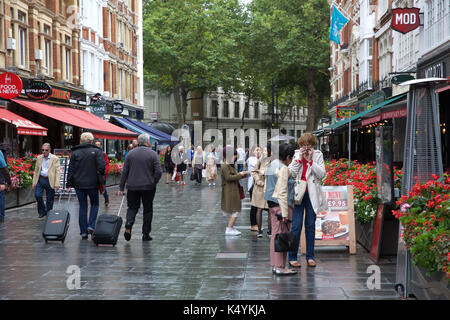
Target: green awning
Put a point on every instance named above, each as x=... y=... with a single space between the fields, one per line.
x=359 y=115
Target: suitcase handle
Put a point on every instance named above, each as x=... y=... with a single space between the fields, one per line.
x=68 y=200
x=121 y=204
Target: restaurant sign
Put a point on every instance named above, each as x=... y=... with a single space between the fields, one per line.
x=38 y=90
x=405 y=20
x=10 y=85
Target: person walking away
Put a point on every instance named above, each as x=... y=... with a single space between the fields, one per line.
x=197 y=164
x=130 y=147
x=240 y=159
x=103 y=189
x=87 y=164
x=168 y=164
x=251 y=162
x=231 y=201
x=308 y=165
x=181 y=165
x=5 y=182
x=211 y=168
x=280 y=199
x=191 y=152
x=141 y=173
x=46 y=177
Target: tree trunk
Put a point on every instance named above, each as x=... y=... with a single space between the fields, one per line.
x=176 y=95
x=184 y=94
x=311 y=100
x=319 y=110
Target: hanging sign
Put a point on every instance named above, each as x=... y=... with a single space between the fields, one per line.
x=344 y=112
x=405 y=20
x=10 y=85
x=38 y=90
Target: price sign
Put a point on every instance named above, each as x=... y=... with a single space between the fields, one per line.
x=336 y=225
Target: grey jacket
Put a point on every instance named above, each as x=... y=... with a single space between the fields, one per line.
x=141 y=170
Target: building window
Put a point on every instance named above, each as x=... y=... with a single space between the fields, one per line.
x=47 y=57
x=22 y=47
x=226 y=111
x=214 y=107
x=21 y=17
x=67 y=65
x=236 y=109
x=256 y=116
x=120 y=83
x=47 y=29
x=247 y=110
x=110 y=80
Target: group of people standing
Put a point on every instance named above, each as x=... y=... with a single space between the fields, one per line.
x=271 y=186
x=203 y=164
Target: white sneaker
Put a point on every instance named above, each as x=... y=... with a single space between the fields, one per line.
x=232 y=232
x=214 y=183
x=209 y=184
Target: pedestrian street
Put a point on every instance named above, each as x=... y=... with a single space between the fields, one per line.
x=189 y=258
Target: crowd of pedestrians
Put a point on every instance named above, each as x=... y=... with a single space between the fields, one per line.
x=271 y=183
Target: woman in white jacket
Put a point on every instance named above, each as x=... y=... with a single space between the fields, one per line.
x=307 y=165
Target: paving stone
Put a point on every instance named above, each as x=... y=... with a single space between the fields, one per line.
x=189 y=258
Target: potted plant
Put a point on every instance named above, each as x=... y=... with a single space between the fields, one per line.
x=425 y=218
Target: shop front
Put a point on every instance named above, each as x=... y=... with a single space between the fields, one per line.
x=437 y=65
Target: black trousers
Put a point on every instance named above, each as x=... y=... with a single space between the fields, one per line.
x=253 y=210
x=198 y=173
x=134 y=198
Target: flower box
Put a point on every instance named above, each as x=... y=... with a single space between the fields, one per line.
x=364 y=233
x=424 y=287
x=25 y=196
x=11 y=198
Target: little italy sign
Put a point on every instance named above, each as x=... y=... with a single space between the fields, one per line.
x=405 y=20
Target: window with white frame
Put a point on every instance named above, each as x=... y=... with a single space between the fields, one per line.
x=68 y=64
x=22 y=47
x=47 y=55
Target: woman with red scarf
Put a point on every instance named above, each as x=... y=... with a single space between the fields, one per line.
x=308 y=165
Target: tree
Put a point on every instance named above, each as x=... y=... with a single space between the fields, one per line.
x=298 y=47
x=191 y=46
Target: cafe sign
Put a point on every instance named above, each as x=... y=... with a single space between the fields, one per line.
x=405 y=20
x=38 y=90
x=10 y=85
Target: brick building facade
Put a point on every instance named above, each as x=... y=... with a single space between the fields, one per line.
x=40 y=37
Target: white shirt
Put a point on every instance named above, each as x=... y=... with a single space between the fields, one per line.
x=241 y=155
x=45 y=165
x=251 y=163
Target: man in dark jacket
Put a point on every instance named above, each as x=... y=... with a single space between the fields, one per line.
x=5 y=179
x=86 y=165
x=141 y=173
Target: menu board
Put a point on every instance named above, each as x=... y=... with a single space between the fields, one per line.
x=336 y=225
x=64 y=160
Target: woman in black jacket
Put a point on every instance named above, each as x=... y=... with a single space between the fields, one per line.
x=168 y=164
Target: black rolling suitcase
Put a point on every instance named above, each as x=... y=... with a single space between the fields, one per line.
x=57 y=223
x=107 y=228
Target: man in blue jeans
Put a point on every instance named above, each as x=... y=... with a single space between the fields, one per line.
x=46 y=177
x=5 y=178
x=87 y=164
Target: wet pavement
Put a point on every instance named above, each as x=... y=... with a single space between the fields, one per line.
x=189 y=258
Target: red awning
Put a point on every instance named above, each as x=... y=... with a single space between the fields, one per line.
x=80 y=118
x=24 y=126
x=442 y=89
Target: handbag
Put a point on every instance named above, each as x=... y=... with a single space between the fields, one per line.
x=299 y=191
x=241 y=192
x=285 y=242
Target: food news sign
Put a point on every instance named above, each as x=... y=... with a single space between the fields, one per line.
x=405 y=20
